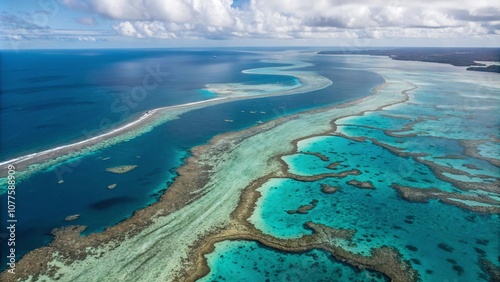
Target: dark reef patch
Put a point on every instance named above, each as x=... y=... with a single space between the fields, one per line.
x=446 y=247
x=458 y=269
x=412 y=248
x=361 y=184
x=108 y=203
x=304 y=209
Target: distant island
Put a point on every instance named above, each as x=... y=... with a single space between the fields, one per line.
x=490 y=68
x=462 y=57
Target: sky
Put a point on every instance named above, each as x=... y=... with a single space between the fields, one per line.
x=82 y=24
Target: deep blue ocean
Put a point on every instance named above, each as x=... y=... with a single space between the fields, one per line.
x=51 y=98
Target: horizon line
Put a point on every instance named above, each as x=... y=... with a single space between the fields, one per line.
x=253 y=47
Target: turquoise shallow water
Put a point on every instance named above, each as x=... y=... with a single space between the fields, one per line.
x=489 y=149
x=381 y=218
x=376 y=164
x=306 y=164
x=251 y=261
x=439 y=150
x=377 y=120
x=442 y=242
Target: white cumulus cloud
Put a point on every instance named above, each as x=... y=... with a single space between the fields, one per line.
x=127 y=29
x=220 y=19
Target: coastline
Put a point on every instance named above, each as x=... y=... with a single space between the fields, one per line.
x=181 y=214
x=31 y=163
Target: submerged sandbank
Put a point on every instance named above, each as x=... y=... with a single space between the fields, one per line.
x=307 y=82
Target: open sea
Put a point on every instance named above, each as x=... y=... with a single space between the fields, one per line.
x=52 y=97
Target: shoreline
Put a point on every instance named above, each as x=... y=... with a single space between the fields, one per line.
x=31 y=163
x=199 y=185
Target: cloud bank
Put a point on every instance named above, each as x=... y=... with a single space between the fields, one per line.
x=224 y=19
x=17 y=28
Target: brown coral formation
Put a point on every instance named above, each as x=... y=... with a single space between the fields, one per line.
x=327 y=189
x=361 y=184
x=304 y=209
x=121 y=169
x=72 y=217
x=423 y=195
